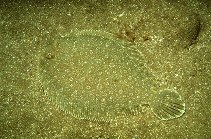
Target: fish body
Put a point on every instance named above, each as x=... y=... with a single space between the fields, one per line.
x=93 y=75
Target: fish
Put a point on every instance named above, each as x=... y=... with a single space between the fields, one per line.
x=93 y=75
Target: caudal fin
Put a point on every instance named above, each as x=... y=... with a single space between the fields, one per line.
x=167 y=105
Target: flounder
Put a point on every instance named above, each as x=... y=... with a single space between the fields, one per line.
x=93 y=75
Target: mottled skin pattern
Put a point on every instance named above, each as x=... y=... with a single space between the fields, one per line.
x=95 y=76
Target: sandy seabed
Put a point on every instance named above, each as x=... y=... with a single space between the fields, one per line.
x=174 y=38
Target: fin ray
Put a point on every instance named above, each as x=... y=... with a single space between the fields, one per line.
x=167 y=105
